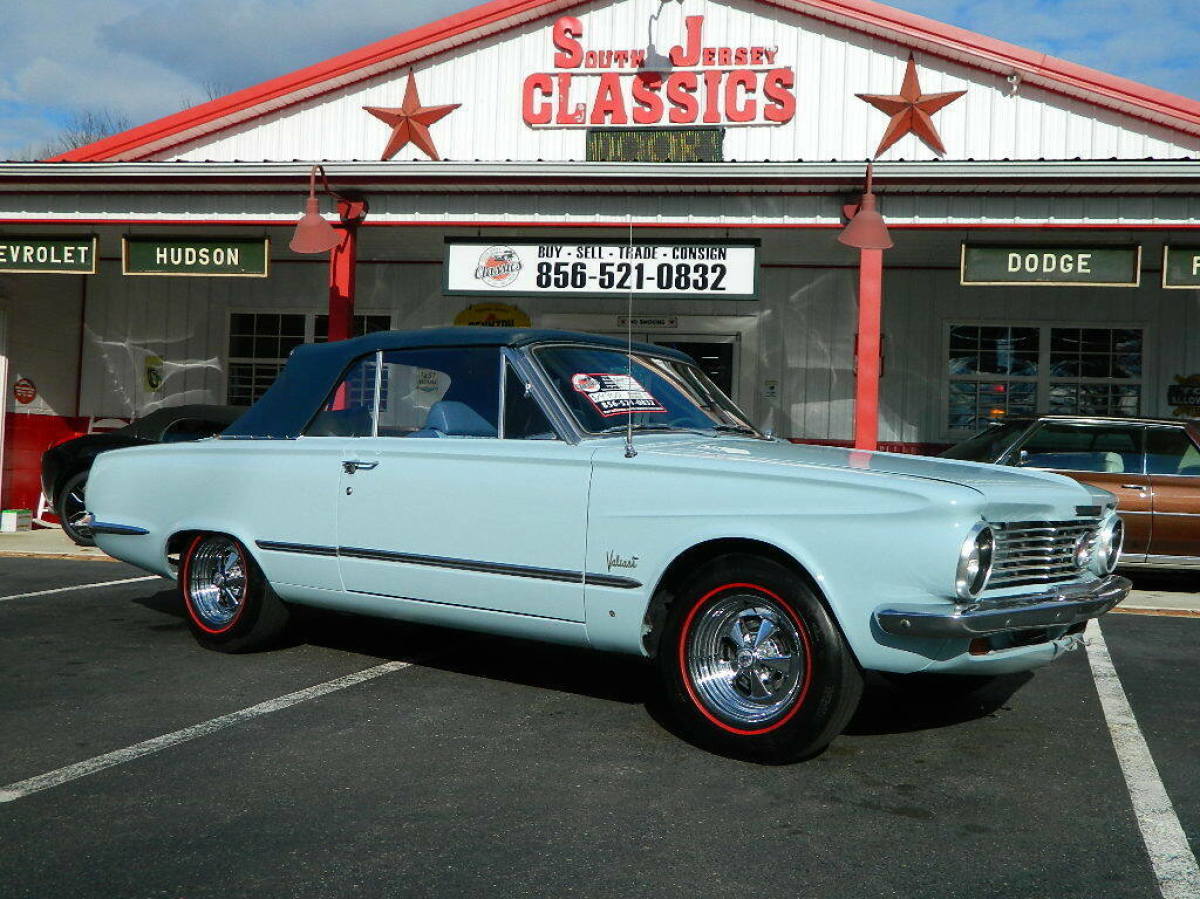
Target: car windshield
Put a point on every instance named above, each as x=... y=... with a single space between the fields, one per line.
x=608 y=390
x=988 y=445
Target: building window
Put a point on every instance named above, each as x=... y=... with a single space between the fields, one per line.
x=260 y=342
x=1006 y=371
x=363 y=324
x=1095 y=371
x=993 y=374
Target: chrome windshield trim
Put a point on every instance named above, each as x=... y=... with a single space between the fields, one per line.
x=1058 y=607
x=544 y=394
x=501 y=404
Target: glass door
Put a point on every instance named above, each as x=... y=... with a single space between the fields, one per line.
x=714 y=354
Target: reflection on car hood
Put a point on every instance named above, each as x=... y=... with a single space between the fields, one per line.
x=1004 y=488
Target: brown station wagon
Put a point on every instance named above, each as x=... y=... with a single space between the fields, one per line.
x=1151 y=465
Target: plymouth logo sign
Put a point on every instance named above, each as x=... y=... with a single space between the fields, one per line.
x=704 y=81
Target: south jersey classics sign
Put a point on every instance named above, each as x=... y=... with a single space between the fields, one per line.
x=726 y=270
x=707 y=78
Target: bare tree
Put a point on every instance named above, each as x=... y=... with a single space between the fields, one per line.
x=88 y=126
x=214 y=90
x=83 y=127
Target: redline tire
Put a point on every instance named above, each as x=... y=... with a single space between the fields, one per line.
x=230 y=606
x=752 y=665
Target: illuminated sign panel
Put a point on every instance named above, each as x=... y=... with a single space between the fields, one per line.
x=655 y=145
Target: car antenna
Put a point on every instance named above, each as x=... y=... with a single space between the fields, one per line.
x=630 y=452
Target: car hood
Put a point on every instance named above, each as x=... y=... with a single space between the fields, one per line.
x=1010 y=493
x=89 y=445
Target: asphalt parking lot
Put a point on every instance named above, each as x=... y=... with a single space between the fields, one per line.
x=384 y=759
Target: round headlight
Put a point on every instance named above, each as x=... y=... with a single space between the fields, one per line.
x=975 y=562
x=1109 y=541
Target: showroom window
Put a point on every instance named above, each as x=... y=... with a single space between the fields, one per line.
x=998 y=372
x=259 y=344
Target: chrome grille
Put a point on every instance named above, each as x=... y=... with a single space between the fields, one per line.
x=1037 y=552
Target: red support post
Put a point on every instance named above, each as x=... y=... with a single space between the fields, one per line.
x=343 y=265
x=870 y=309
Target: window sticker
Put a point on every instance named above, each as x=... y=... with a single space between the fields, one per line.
x=427 y=380
x=615 y=394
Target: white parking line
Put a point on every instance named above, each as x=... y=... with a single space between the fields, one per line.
x=57 y=778
x=128 y=580
x=1174 y=863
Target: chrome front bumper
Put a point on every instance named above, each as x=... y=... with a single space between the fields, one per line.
x=1056 y=607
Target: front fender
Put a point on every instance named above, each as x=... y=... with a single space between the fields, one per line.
x=863 y=541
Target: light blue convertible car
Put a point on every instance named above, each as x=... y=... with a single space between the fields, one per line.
x=564 y=487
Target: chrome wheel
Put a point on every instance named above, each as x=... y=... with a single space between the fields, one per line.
x=746 y=658
x=72 y=508
x=216 y=582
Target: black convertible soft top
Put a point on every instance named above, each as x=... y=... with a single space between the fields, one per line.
x=313 y=369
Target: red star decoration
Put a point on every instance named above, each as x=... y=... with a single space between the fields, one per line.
x=410 y=122
x=911 y=112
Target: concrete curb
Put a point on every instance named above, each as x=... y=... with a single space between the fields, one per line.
x=48 y=543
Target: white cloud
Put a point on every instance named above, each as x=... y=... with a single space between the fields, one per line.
x=147 y=58
x=241 y=42
x=1151 y=41
x=23 y=135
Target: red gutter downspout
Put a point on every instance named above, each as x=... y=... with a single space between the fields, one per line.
x=343 y=264
x=870 y=314
x=867 y=232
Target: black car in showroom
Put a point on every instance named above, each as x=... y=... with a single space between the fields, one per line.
x=65 y=467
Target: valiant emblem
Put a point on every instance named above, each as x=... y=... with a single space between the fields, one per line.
x=616 y=560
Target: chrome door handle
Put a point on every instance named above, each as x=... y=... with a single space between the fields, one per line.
x=352 y=465
x=1142 y=487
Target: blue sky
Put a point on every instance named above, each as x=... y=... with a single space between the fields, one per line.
x=147 y=58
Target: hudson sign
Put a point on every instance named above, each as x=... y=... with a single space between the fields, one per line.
x=709 y=80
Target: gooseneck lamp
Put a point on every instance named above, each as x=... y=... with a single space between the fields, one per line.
x=867 y=229
x=313 y=233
